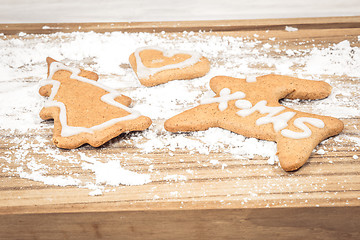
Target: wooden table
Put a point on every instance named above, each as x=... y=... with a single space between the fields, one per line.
x=250 y=200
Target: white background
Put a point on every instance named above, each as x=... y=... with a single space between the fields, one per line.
x=35 y=11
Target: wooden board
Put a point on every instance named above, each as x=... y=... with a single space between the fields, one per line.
x=249 y=199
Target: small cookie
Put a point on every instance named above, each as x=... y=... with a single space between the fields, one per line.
x=154 y=66
x=251 y=107
x=84 y=111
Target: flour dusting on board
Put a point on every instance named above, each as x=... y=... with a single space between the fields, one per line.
x=111 y=173
x=22 y=66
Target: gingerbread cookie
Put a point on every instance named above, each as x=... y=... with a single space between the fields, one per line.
x=154 y=66
x=84 y=111
x=251 y=107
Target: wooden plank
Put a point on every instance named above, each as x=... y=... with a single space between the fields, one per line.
x=248 y=198
x=294 y=223
x=216 y=26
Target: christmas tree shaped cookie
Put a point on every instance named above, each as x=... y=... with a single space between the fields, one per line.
x=83 y=110
x=251 y=107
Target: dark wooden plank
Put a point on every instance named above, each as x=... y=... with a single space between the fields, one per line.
x=275 y=223
x=215 y=26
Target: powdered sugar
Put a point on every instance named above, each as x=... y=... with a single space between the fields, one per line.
x=339 y=59
x=22 y=66
x=49 y=180
x=111 y=173
x=291 y=29
x=175 y=178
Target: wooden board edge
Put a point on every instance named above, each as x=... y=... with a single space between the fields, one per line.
x=269 y=223
x=179 y=26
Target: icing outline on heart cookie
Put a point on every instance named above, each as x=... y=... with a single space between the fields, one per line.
x=144 y=72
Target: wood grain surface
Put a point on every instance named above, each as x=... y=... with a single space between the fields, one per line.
x=331 y=23
x=247 y=199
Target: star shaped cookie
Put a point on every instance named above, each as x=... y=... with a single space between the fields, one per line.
x=251 y=107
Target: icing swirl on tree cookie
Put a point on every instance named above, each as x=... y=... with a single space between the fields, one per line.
x=109 y=98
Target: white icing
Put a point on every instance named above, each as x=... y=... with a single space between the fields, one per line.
x=157 y=61
x=274 y=115
x=299 y=123
x=144 y=72
x=243 y=104
x=279 y=122
x=109 y=98
x=224 y=97
x=250 y=79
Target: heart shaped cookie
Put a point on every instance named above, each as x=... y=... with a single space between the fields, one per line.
x=154 y=66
